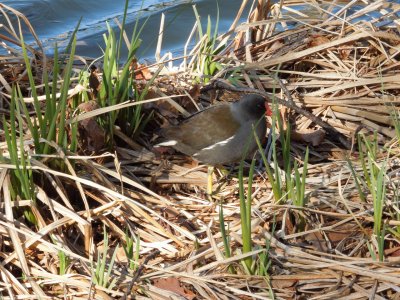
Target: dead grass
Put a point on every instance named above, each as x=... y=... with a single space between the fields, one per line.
x=342 y=70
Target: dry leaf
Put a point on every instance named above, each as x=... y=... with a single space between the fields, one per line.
x=393 y=252
x=345 y=50
x=88 y=106
x=195 y=92
x=283 y=283
x=91 y=134
x=121 y=256
x=317 y=40
x=173 y=284
x=94 y=80
x=314 y=137
x=289 y=224
x=141 y=72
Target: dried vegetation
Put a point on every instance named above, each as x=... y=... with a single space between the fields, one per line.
x=337 y=60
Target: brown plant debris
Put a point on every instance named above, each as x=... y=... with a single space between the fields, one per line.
x=324 y=62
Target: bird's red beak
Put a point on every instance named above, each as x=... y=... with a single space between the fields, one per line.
x=268 y=111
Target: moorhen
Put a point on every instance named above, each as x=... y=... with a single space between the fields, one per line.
x=220 y=134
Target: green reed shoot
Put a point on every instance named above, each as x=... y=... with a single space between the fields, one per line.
x=132 y=250
x=225 y=236
x=209 y=47
x=101 y=275
x=245 y=212
x=50 y=124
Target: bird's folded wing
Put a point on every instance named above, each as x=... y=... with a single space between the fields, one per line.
x=205 y=129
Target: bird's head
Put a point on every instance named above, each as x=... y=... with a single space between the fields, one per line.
x=254 y=105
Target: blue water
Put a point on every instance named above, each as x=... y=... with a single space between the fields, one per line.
x=55 y=20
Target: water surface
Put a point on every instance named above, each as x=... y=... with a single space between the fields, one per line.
x=55 y=20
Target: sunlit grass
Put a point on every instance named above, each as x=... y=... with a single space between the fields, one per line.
x=132 y=250
x=208 y=47
x=102 y=269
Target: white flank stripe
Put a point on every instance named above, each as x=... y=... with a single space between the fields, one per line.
x=221 y=143
x=167 y=143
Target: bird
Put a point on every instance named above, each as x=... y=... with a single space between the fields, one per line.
x=220 y=134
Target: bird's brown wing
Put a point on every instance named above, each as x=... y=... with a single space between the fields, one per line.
x=206 y=128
